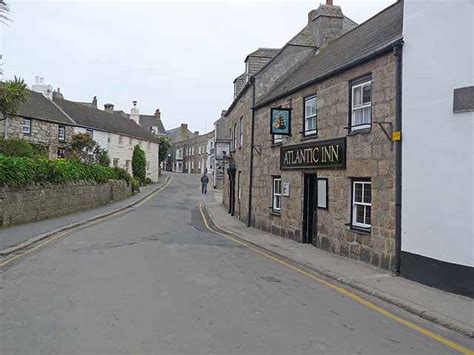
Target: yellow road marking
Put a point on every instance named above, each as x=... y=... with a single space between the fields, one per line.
x=61 y=234
x=449 y=343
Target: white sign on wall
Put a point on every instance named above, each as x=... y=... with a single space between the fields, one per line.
x=285 y=189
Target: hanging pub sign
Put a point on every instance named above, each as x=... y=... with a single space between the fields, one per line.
x=280 y=121
x=314 y=155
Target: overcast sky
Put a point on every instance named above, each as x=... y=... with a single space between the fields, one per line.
x=181 y=57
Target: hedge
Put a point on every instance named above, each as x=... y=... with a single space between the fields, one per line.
x=21 y=171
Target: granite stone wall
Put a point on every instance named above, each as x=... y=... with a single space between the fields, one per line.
x=37 y=202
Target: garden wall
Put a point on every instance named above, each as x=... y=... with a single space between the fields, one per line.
x=37 y=202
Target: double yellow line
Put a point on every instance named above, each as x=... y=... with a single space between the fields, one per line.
x=54 y=237
x=449 y=343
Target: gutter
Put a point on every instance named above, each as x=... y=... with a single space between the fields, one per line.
x=252 y=141
x=397 y=51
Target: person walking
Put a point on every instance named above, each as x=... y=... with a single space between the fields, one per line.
x=204 y=182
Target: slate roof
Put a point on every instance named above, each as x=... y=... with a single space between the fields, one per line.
x=374 y=36
x=263 y=52
x=91 y=117
x=148 y=121
x=39 y=107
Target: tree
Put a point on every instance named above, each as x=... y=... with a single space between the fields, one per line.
x=12 y=94
x=139 y=164
x=165 y=147
x=84 y=148
x=4 y=10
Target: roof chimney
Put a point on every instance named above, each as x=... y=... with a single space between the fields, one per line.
x=57 y=94
x=196 y=133
x=158 y=114
x=326 y=23
x=109 y=108
x=134 y=113
x=41 y=87
x=94 y=101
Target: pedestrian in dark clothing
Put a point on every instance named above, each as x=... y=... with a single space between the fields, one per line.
x=204 y=182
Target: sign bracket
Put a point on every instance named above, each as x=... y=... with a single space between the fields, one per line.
x=257 y=148
x=388 y=133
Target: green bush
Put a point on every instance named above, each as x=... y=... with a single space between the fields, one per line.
x=148 y=181
x=21 y=171
x=139 y=164
x=16 y=148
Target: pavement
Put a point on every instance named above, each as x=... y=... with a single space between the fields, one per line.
x=449 y=310
x=156 y=280
x=14 y=235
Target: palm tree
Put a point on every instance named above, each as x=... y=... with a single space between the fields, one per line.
x=4 y=10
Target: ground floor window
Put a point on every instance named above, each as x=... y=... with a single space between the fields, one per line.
x=26 y=126
x=239 y=187
x=276 y=201
x=361 y=203
x=61 y=152
x=115 y=162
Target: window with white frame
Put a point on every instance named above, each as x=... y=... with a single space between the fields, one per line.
x=276 y=201
x=361 y=203
x=199 y=164
x=235 y=136
x=26 y=126
x=241 y=123
x=179 y=153
x=239 y=186
x=361 y=104
x=310 y=115
x=192 y=165
x=61 y=133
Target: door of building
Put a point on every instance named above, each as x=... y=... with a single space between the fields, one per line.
x=310 y=214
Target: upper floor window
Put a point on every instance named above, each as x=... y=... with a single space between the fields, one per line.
x=361 y=104
x=310 y=115
x=61 y=133
x=277 y=138
x=241 y=123
x=235 y=136
x=26 y=126
x=120 y=140
x=130 y=141
x=199 y=149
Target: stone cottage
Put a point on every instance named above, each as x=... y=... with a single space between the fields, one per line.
x=330 y=181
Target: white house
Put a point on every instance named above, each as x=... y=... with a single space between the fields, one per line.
x=116 y=133
x=438 y=145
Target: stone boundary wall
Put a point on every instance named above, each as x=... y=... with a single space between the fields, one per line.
x=36 y=202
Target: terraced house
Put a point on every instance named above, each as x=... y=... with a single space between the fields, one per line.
x=40 y=122
x=330 y=182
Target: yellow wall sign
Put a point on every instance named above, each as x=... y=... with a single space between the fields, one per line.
x=396 y=136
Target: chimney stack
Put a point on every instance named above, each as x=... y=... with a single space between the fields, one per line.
x=94 y=101
x=184 y=126
x=196 y=133
x=109 y=108
x=158 y=114
x=134 y=113
x=326 y=23
x=41 y=87
x=57 y=94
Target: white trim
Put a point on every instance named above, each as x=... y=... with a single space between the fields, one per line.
x=362 y=106
x=361 y=203
x=276 y=198
x=314 y=116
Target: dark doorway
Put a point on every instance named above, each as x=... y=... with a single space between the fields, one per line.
x=310 y=208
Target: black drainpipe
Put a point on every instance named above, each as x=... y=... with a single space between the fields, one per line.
x=397 y=50
x=252 y=140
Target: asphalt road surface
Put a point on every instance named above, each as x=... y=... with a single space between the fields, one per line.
x=155 y=281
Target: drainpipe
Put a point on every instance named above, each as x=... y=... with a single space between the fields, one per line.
x=252 y=140
x=397 y=51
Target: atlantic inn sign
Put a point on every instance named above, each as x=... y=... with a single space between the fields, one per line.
x=314 y=155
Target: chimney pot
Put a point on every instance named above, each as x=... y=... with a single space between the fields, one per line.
x=329 y=2
x=134 y=103
x=109 y=108
x=94 y=101
x=157 y=114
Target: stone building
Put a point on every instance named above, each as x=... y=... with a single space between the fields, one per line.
x=263 y=68
x=197 y=153
x=40 y=122
x=331 y=181
x=175 y=157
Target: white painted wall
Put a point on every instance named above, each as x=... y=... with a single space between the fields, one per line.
x=124 y=151
x=438 y=145
x=99 y=136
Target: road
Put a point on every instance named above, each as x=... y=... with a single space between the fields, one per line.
x=155 y=280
